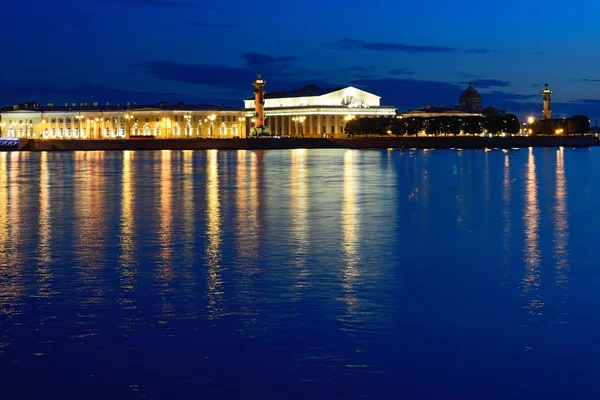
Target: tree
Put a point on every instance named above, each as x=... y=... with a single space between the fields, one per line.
x=511 y=124
x=579 y=124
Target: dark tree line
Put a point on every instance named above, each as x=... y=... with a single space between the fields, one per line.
x=576 y=125
x=444 y=125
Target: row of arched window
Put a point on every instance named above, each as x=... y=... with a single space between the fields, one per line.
x=20 y=131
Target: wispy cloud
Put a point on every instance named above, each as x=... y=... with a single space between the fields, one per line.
x=590 y=80
x=353 y=44
x=259 y=59
x=359 y=68
x=204 y=24
x=536 y=85
x=164 y=3
x=480 y=51
x=487 y=83
x=539 y=53
x=401 y=71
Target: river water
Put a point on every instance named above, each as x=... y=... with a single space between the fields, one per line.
x=300 y=274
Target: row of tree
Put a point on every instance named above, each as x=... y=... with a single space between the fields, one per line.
x=443 y=125
x=446 y=125
x=577 y=124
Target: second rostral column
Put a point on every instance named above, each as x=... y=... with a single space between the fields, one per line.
x=259 y=127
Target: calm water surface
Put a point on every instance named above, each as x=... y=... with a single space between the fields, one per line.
x=300 y=274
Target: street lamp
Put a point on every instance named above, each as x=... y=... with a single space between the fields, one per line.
x=188 y=118
x=530 y=120
x=300 y=120
x=128 y=117
x=211 y=128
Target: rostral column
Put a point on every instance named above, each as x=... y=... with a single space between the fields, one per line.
x=259 y=106
x=547 y=107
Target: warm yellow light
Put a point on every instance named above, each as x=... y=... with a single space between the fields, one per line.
x=531 y=120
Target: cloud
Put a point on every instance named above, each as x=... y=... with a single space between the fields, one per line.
x=590 y=80
x=464 y=75
x=539 y=53
x=204 y=24
x=364 y=76
x=260 y=60
x=200 y=74
x=82 y=93
x=232 y=78
x=401 y=71
x=480 y=51
x=353 y=44
x=357 y=68
x=536 y=85
x=164 y=3
x=487 y=83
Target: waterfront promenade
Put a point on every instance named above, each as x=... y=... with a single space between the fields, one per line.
x=465 y=142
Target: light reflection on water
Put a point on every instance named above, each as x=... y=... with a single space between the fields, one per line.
x=339 y=273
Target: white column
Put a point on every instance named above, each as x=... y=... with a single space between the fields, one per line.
x=336 y=126
x=319 y=125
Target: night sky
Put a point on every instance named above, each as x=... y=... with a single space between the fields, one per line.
x=410 y=53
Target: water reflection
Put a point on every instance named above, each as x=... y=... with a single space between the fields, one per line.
x=127 y=258
x=165 y=236
x=350 y=231
x=44 y=256
x=561 y=229
x=531 y=222
x=506 y=214
x=213 y=233
x=299 y=211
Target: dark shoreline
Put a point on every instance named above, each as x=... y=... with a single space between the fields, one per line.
x=311 y=143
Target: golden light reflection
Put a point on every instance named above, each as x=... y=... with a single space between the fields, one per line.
x=189 y=226
x=561 y=224
x=127 y=258
x=531 y=222
x=350 y=230
x=3 y=204
x=44 y=248
x=299 y=210
x=165 y=236
x=90 y=222
x=213 y=233
x=506 y=215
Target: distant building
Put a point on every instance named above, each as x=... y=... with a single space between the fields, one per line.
x=94 y=121
x=470 y=105
x=470 y=99
x=312 y=111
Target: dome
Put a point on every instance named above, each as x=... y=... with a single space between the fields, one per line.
x=470 y=98
x=470 y=93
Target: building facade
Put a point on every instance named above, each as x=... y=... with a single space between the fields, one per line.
x=316 y=112
x=96 y=122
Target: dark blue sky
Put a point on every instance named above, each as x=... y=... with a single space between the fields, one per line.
x=410 y=53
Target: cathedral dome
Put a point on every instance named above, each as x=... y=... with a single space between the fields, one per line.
x=470 y=98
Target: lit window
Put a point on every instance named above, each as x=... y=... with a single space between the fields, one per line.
x=156 y=130
x=188 y=130
x=223 y=129
x=147 y=130
x=234 y=130
x=176 y=130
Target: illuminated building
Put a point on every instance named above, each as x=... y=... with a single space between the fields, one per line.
x=316 y=112
x=105 y=122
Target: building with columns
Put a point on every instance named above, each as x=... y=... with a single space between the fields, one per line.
x=106 y=122
x=316 y=112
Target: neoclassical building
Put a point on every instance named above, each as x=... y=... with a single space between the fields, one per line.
x=317 y=112
x=99 y=122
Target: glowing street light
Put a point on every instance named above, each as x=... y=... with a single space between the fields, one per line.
x=530 y=120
